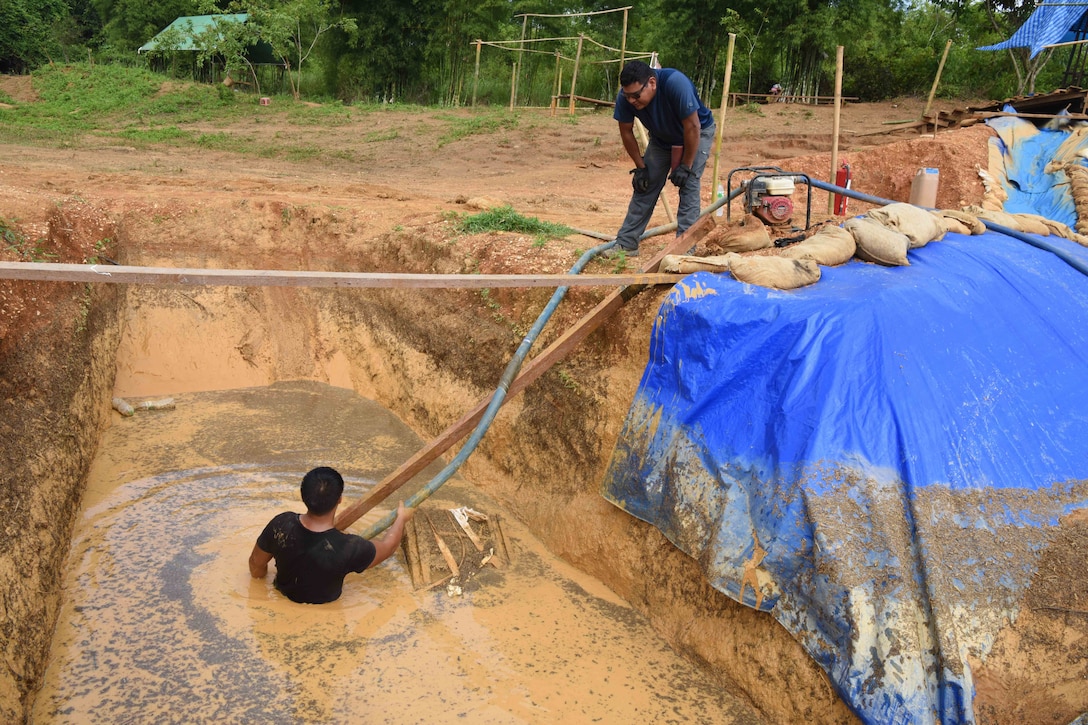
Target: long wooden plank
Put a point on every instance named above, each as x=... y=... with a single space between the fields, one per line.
x=120 y=274
x=529 y=372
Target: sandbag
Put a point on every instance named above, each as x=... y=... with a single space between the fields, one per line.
x=1078 y=187
x=775 y=272
x=955 y=226
x=687 y=264
x=830 y=246
x=997 y=217
x=920 y=226
x=1059 y=229
x=973 y=224
x=748 y=236
x=1033 y=224
x=877 y=243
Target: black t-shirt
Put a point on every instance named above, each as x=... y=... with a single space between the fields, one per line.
x=310 y=566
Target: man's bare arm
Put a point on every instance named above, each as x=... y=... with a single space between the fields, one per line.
x=692 y=129
x=387 y=544
x=630 y=143
x=258 y=562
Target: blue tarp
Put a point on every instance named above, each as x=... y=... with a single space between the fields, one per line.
x=877 y=460
x=1032 y=166
x=1049 y=24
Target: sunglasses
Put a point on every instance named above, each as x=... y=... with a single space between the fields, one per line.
x=635 y=96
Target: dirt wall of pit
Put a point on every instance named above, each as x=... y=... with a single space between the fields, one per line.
x=56 y=376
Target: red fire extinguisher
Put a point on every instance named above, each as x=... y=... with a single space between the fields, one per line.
x=842 y=179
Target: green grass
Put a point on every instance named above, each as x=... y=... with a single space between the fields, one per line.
x=505 y=219
x=463 y=126
x=85 y=104
x=160 y=135
x=104 y=101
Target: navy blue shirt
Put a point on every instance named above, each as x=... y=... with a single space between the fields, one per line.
x=310 y=565
x=675 y=100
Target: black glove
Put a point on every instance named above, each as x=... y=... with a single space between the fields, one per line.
x=640 y=182
x=680 y=174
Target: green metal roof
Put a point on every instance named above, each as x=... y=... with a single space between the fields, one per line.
x=191 y=26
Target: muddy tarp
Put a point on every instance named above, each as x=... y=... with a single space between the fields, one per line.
x=1031 y=166
x=877 y=460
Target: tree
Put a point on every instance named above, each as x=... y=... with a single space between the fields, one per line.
x=230 y=41
x=25 y=32
x=733 y=23
x=128 y=24
x=292 y=28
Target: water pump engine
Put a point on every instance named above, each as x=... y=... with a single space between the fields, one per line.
x=768 y=197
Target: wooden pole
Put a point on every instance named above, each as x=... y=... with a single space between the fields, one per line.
x=476 y=78
x=623 y=44
x=574 y=77
x=940 y=67
x=513 y=84
x=560 y=85
x=835 y=127
x=557 y=86
x=529 y=372
x=121 y=274
x=521 y=55
x=721 y=116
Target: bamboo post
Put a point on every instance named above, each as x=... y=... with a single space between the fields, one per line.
x=933 y=90
x=557 y=82
x=835 y=127
x=513 y=84
x=721 y=119
x=623 y=43
x=558 y=90
x=521 y=55
x=476 y=77
x=574 y=76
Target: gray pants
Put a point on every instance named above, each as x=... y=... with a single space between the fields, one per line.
x=658 y=160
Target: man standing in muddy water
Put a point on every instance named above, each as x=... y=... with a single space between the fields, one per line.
x=312 y=555
x=667 y=104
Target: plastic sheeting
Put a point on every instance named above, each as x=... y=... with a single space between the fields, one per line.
x=1050 y=23
x=877 y=460
x=1029 y=165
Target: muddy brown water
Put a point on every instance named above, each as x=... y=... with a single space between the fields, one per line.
x=161 y=621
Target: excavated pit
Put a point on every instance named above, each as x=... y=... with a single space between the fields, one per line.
x=638 y=610
x=424 y=356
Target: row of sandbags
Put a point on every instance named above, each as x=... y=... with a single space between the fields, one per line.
x=882 y=235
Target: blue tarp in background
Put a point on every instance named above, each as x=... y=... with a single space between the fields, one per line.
x=877 y=460
x=1049 y=24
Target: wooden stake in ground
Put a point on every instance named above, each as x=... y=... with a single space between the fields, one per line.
x=476 y=77
x=721 y=115
x=835 y=128
x=936 y=80
x=513 y=84
x=574 y=76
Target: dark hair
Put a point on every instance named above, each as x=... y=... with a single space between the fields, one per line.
x=635 y=71
x=321 y=490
